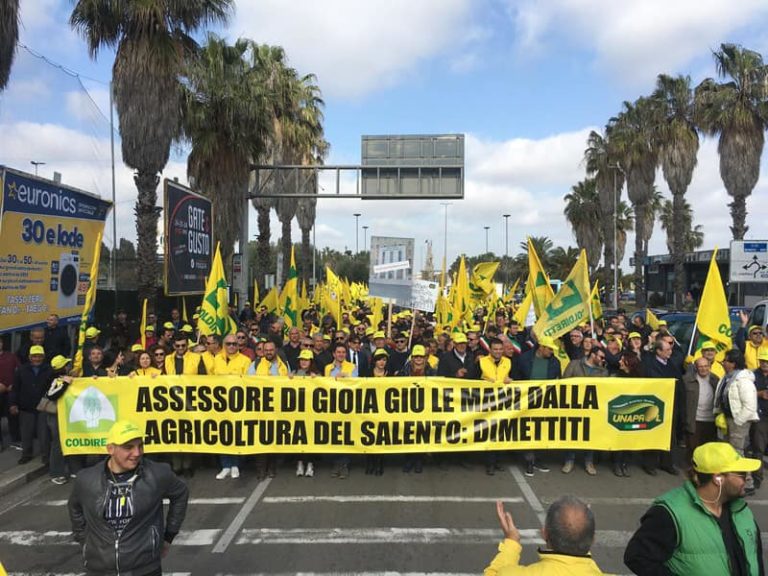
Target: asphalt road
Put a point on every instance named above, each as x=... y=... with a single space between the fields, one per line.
x=439 y=522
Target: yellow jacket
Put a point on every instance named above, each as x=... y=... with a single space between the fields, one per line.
x=433 y=361
x=208 y=360
x=492 y=372
x=507 y=563
x=151 y=371
x=263 y=367
x=347 y=368
x=237 y=364
x=191 y=363
x=750 y=354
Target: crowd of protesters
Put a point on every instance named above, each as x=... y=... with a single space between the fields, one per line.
x=493 y=348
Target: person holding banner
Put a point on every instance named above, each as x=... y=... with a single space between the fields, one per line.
x=144 y=367
x=116 y=508
x=568 y=532
x=270 y=364
x=459 y=362
x=230 y=362
x=703 y=527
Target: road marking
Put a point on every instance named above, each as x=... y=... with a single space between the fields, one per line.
x=528 y=493
x=84 y=574
x=387 y=573
x=380 y=536
x=237 y=523
x=384 y=498
x=206 y=501
x=60 y=538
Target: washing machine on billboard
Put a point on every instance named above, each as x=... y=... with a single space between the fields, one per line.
x=68 y=276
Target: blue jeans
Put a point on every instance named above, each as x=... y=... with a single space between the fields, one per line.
x=227 y=461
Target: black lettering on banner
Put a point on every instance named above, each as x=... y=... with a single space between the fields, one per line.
x=453 y=432
x=204 y=398
x=176 y=400
x=143 y=403
x=442 y=400
x=344 y=401
x=404 y=400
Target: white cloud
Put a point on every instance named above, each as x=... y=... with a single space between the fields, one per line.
x=356 y=47
x=634 y=39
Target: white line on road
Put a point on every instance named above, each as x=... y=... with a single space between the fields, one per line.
x=208 y=501
x=387 y=573
x=528 y=493
x=379 y=536
x=237 y=523
x=60 y=538
x=384 y=498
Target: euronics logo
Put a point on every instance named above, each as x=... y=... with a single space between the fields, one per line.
x=628 y=412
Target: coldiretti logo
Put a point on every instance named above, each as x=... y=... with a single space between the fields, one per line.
x=635 y=412
x=91 y=411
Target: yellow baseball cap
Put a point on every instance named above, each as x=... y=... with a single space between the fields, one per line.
x=459 y=338
x=92 y=332
x=753 y=328
x=149 y=328
x=58 y=362
x=379 y=334
x=187 y=328
x=418 y=350
x=380 y=352
x=708 y=345
x=169 y=326
x=763 y=354
x=548 y=342
x=634 y=335
x=662 y=322
x=306 y=355
x=124 y=431
x=36 y=350
x=137 y=348
x=721 y=457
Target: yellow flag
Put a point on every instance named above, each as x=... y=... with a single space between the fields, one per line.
x=597 y=308
x=509 y=297
x=255 y=300
x=184 y=310
x=143 y=327
x=570 y=307
x=290 y=296
x=214 y=311
x=271 y=300
x=481 y=282
x=712 y=319
x=461 y=306
x=522 y=311
x=651 y=319
x=538 y=282
x=90 y=300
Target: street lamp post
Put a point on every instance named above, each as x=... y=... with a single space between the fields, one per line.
x=357 y=232
x=506 y=244
x=486 y=238
x=365 y=238
x=445 y=241
x=36 y=165
x=615 y=234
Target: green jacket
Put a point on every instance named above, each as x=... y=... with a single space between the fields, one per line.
x=700 y=548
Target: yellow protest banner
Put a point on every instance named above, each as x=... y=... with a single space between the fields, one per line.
x=251 y=414
x=48 y=232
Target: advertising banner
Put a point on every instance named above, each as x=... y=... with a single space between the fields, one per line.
x=251 y=414
x=47 y=234
x=188 y=240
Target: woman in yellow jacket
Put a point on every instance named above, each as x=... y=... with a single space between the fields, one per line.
x=569 y=532
x=145 y=367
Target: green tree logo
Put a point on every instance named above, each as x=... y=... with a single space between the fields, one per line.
x=91 y=411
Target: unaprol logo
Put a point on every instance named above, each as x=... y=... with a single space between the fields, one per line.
x=635 y=412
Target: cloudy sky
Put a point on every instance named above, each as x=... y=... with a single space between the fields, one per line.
x=524 y=80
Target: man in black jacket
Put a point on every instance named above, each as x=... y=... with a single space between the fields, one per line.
x=459 y=362
x=57 y=342
x=116 y=508
x=30 y=384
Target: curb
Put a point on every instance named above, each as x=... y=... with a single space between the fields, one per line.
x=19 y=476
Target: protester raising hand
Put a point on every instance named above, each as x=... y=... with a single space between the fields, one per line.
x=507 y=523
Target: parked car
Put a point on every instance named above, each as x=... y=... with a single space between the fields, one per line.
x=758 y=315
x=681 y=324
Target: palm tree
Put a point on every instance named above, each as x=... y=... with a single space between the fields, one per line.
x=678 y=143
x=9 y=34
x=603 y=163
x=543 y=246
x=625 y=222
x=632 y=132
x=153 y=39
x=582 y=210
x=562 y=260
x=305 y=214
x=226 y=122
x=735 y=110
x=693 y=236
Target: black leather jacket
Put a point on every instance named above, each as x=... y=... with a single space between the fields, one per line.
x=139 y=548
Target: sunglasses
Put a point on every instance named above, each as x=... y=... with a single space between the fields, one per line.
x=230 y=343
x=179 y=346
x=159 y=354
x=241 y=337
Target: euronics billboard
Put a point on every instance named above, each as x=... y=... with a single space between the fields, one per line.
x=188 y=237
x=47 y=235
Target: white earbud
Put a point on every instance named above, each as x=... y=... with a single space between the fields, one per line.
x=718 y=480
